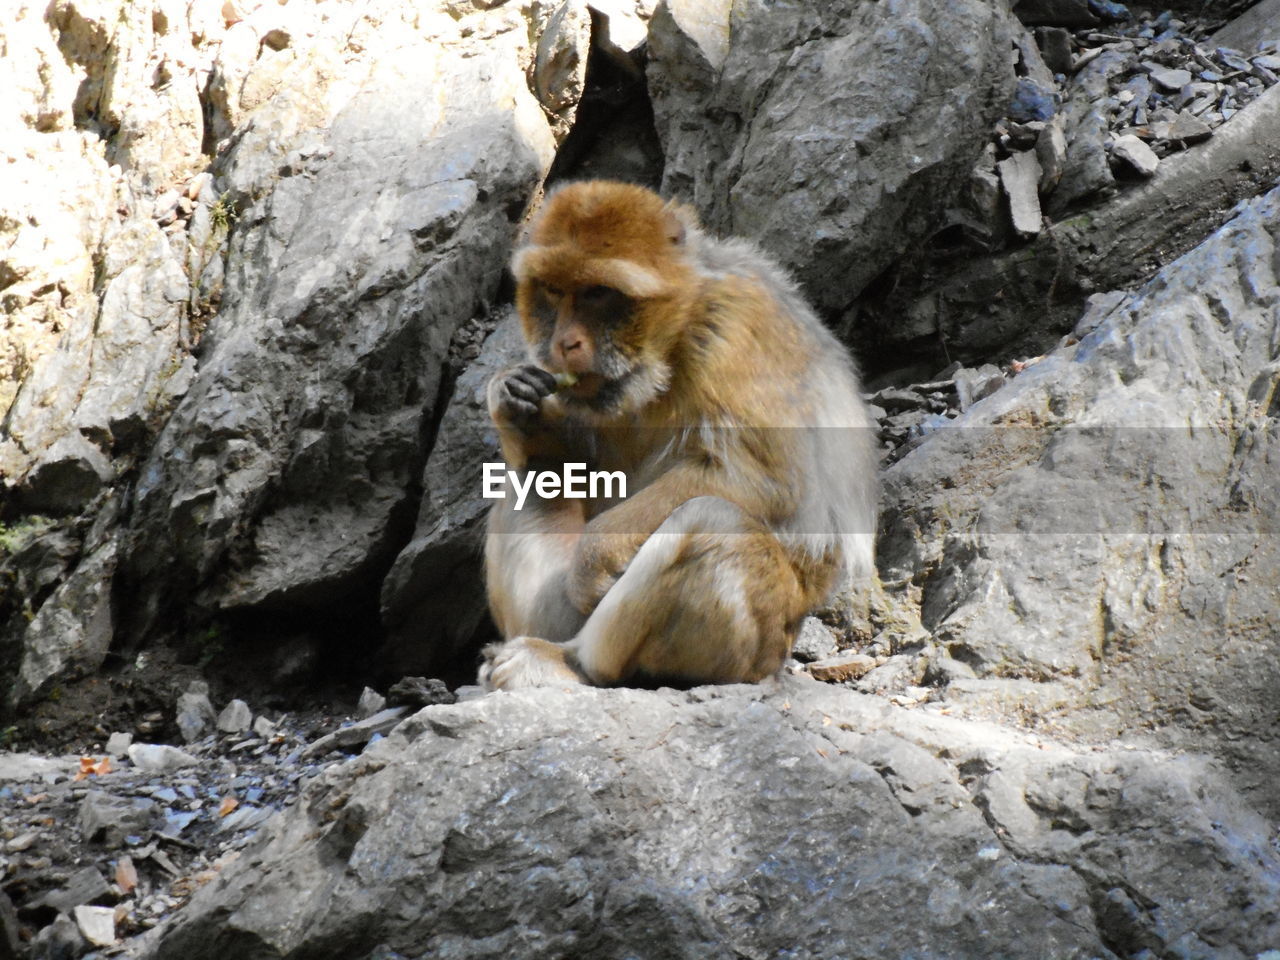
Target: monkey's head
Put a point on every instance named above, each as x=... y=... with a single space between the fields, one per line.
x=604 y=287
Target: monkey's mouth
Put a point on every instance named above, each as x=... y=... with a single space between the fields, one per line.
x=597 y=392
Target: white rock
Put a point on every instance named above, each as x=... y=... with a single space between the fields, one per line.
x=159 y=757
x=235 y=717
x=1020 y=177
x=118 y=743
x=97 y=924
x=370 y=703
x=1137 y=155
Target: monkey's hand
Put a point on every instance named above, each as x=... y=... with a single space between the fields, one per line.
x=516 y=395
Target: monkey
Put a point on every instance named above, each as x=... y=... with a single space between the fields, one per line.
x=693 y=365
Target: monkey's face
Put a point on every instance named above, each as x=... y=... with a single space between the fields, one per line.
x=594 y=332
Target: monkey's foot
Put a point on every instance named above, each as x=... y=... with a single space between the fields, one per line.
x=527 y=662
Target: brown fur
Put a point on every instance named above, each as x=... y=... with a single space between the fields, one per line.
x=712 y=440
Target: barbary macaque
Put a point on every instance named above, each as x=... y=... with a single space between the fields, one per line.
x=693 y=366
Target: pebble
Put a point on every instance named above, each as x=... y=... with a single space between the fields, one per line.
x=235 y=717
x=159 y=757
x=1136 y=155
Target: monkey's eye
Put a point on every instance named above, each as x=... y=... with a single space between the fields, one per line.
x=596 y=294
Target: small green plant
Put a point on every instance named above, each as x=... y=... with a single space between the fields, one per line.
x=211 y=646
x=15 y=536
x=222 y=214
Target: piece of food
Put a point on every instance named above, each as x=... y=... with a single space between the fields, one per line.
x=565 y=380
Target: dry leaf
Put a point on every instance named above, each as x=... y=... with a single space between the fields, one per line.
x=90 y=767
x=228 y=804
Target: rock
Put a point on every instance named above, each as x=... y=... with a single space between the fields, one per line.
x=17 y=767
x=97 y=925
x=561 y=800
x=236 y=717
x=60 y=940
x=1051 y=151
x=357 y=734
x=195 y=714
x=159 y=757
x=974 y=385
x=1085 y=169
x=820 y=116
x=371 y=702
x=1136 y=155
x=263 y=727
x=1093 y=568
x=9 y=926
x=1169 y=80
x=84 y=886
x=815 y=641
x=1020 y=178
x=118 y=744
x=433 y=598
x=418 y=692
x=1055 y=48
x=560 y=65
x=109 y=820
x=1031 y=101
x=842 y=667
x=1055 y=13
x=1261 y=21
x=1189 y=128
x=286 y=477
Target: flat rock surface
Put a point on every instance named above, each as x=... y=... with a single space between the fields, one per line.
x=790 y=817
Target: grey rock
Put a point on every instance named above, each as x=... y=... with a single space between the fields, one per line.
x=1136 y=155
x=70 y=634
x=1055 y=48
x=97 y=924
x=118 y=744
x=195 y=714
x=574 y=811
x=418 y=692
x=974 y=385
x=159 y=757
x=9 y=927
x=1085 y=169
x=236 y=717
x=1260 y=22
x=286 y=475
x=371 y=702
x=560 y=64
x=83 y=886
x=108 y=820
x=1056 y=13
x=1170 y=80
x=822 y=115
x=60 y=940
x=1051 y=151
x=19 y=767
x=263 y=727
x=1189 y=128
x=1094 y=565
x=433 y=597
x=815 y=641
x=357 y=734
x=1020 y=178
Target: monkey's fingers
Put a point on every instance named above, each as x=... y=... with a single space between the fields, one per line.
x=537 y=378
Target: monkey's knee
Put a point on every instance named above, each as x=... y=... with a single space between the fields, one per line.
x=709 y=515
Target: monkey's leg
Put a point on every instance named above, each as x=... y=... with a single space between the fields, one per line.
x=711 y=597
x=528 y=555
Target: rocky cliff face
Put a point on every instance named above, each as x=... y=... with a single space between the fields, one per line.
x=252 y=275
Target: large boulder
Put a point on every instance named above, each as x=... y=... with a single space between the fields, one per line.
x=789 y=819
x=433 y=598
x=834 y=133
x=370 y=223
x=1097 y=541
